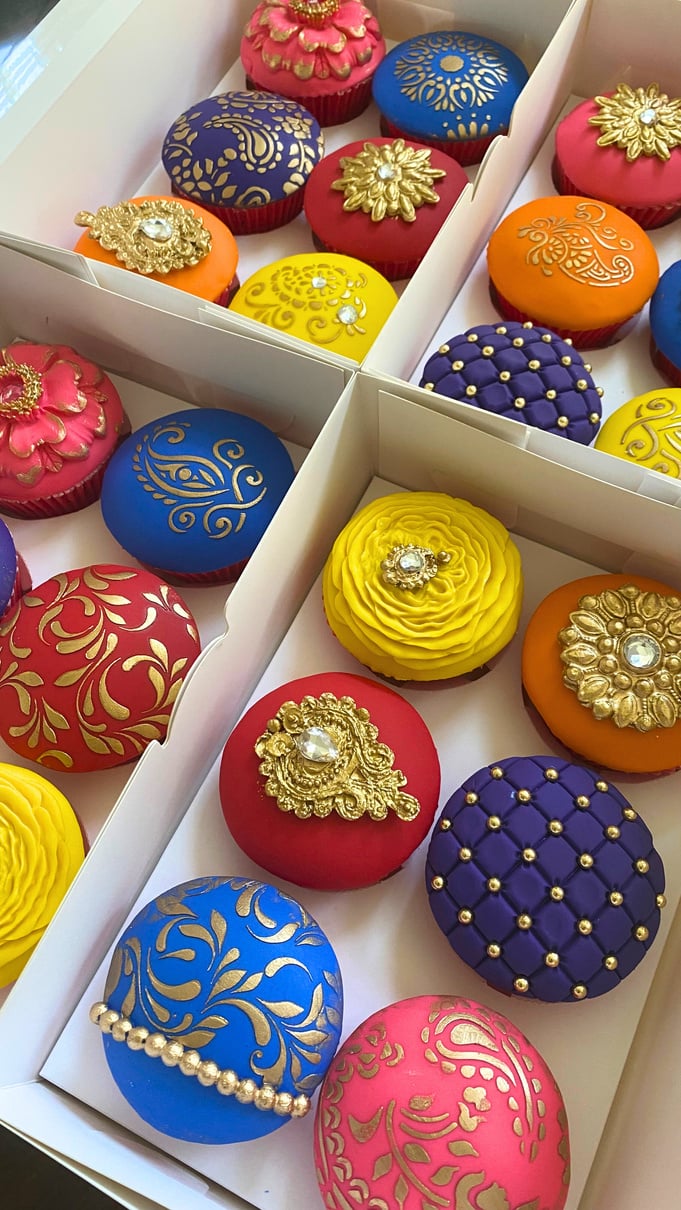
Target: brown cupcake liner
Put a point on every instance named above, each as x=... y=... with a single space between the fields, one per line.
x=647 y=217
x=666 y=367
x=253 y=220
x=334 y=108
x=592 y=338
x=391 y=270
x=464 y=151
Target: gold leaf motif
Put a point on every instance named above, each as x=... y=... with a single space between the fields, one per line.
x=584 y=249
x=363 y=1132
x=382 y=1166
x=388 y=180
x=493 y=1198
x=461 y=1147
x=401 y=1190
x=155 y=236
x=444 y=1175
x=416 y=1153
x=640 y=121
x=471 y=75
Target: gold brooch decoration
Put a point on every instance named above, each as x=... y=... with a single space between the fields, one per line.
x=388 y=180
x=410 y=567
x=149 y=237
x=640 y=121
x=19 y=402
x=323 y=755
x=621 y=656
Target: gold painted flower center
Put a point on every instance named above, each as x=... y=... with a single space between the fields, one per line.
x=410 y=567
x=640 y=121
x=149 y=237
x=622 y=657
x=323 y=754
x=388 y=180
x=20 y=388
x=451 y=63
x=314 y=12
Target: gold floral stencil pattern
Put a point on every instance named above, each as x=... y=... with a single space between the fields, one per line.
x=452 y=77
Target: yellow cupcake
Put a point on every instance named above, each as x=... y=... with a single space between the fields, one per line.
x=421 y=586
x=41 y=850
x=333 y=301
x=647 y=430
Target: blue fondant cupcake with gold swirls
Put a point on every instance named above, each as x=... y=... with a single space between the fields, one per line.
x=221 y=1011
x=192 y=494
x=245 y=156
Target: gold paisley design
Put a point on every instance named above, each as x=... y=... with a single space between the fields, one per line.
x=149 y=237
x=452 y=624
x=388 y=180
x=576 y=247
x=640 y=121
x=191 y=485
x=350 y=772
x=452 y=74
x=622 y=658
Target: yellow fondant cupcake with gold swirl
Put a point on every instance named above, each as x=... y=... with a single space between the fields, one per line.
x=647 y=430
x=420 y=586
x=41 y=850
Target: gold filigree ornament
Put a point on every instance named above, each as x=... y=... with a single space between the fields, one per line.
x=323 y=755
x=149 y=237
x=640 y=121
x=410 y=567
x=20 y=395
x=622 y=657
x=388 y=180
x=584 y=249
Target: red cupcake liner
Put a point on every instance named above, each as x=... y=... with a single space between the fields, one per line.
x=225 y=298
x=391 y=270
x=200 y=579
x=592 y=338
x=334 y=108
x=253 y=220
x=666 y=367
x=464 y=151
x=646 y=216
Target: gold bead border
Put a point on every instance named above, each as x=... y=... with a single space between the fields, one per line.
x=173 y=1054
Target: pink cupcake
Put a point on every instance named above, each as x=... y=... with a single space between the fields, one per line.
x=61 y=419
x=321 y=53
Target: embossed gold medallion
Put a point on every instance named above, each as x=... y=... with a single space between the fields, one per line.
x=150 y=237
x=622 y=657
x=21 y=390
x=585 y=249
x=323 y=754
x=410 y=567
x=639 y=121
x=388 y=180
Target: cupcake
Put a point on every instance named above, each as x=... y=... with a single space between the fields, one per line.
x=579 y=267
x=236 y=989
x=645 y=431
x=624 y=148
x=420 y=586
x=320 y=53
x=335 y=302
x=545 y=880
x=14 y=577
x=192 y=494
x=453 y=90
x=521 y=372
x=330 y=781
x=166 y=239
x=61 y=419
x=382 y=201
x=665 y=325
x=245 y=157
x=41 y=851
x=601 y=667
x=91 y=662
x=428 y=1103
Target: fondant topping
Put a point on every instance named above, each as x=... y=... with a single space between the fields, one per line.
x=292 y=46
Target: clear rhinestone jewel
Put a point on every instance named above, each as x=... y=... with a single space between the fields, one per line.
x=319 y=282
x=411 y=560
x=641 y=651
x=158 y=229
x=316 y=744
x=384 y=172
x=647 y=117
x=347 y=314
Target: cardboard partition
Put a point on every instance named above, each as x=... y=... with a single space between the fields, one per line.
x=565 y=523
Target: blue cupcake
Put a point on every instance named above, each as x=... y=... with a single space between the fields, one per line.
x=222 y=1010
x=192 y=494
x=665 y=325
x=453 y=90
x=245 y=156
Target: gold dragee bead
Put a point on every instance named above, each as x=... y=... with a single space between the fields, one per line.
x=137 y=1037
x=586 y=861
x=534 y=364
x=518 y=342
x=107 y=1019
x=568 y=340
x=429 y=386
x=465 y=854
x=587 y=367
x=642 y=866
x=472 y=336
x=283 y=1103
x=529 y=855
x=579 y=991
x=551 y=774
x=493 y=950
x=172 y=1053
x=505 y=376
x=582 y=802
x=566 y=360
x=154 y=1045
x=519 y=402
x=493 y=823
x=582 y=384
x=616 y=898
x=629 y=813
x=641 y=933
x=528 y=323
x=496 y=772
x=563 y=422
x=245 y=1093
x=445 y=824
x=443 y=349
x=207 y=1073
x=552 y=959
x=457 y=365
x=524 y=796
x=227 y=1083
x=594 y=418
x=660 y=901
x=501 y=331
x=547 y=338
x=610 y=962
x=465 y=916
x=585 y=927
x=524 y=921
x=493 y=884
x=471 y=798
x=557 y=893
x=190 y=1063
x=551 y=394
x=437 y=882
x=471 y=390
x=555 y=827
x=612 y=832
x=97 y=1010
x=120 y=1029
x=487 y=350
x=521 y=984
x=264 y=1097
x=300 y=1106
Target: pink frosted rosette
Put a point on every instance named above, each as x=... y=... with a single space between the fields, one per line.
x=61 y=419
x=321 y=53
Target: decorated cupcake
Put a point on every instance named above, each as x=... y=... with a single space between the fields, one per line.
x=522 y=372
x=665 y=325
x=245 y=157
x=602 y=669
x=61 y=419
x=166 y=239
x=624 y=148
x=645 y=431
x=14 y=577
x=420 y=586
x=41 y=851
x=332 y=301
x=91 y=662
x=428 y=1103
x=192 y=494
x=330 y=781
x=221 y=1011
x=580 y=268
x=382 y=201
x=544 y=879
x=321 y=53
x=453 y=90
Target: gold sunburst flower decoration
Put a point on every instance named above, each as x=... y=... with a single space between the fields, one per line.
x=640 y=121
x=388 y=180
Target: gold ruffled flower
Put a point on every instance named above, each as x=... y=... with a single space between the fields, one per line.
x=622 y=656
x=640 y=121
x=388 y=180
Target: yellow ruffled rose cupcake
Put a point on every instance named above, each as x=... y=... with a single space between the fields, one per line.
x=420 y=586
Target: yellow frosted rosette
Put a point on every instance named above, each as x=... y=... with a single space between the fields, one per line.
x=456 y=621
x=41 y=850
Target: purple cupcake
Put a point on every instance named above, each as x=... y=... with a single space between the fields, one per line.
x=544 y=879
x=522 y=372
x=14 y=578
